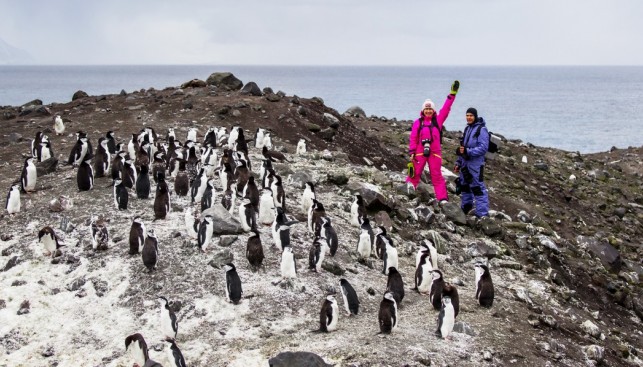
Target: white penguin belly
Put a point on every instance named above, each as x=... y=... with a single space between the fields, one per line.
x=447 y=321
x=364 y=245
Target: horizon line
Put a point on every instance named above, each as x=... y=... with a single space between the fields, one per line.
x=344 y=65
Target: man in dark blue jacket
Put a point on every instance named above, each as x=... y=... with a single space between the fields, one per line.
x=470 y=164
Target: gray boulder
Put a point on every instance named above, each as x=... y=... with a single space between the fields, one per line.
x=79 y=94
x=374 y=200
x=297 y=359
x=453 y=213
x=481 y=249
x=194 y=83
x=221 y=258
x=439 y=242
x=224 y=223
x=331 y=120
x=327 y=134
x=383 y=219
x=299 y=179
x=224 y=81
x=606 y=253
x=424 y=214
x=355 y=111
x=252 y=89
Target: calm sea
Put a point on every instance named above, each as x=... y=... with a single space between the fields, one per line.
x=586 y=109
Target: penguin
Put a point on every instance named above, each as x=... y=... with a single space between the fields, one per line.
x=82 y=150
x=273 y=155
x=210 y=138
x=29 y=176
x=171 y=135
x=230 y=197
x=137 y=236
x=208 y=196
x=137 y=348
x=390 y=255
x=266 y=167
x=132 y=147
x=173 y=162
x=317 y=212
x=388 y=317
x=288 y=263
x=47 y=236
x=380 y=242
x=328 y=233
x=143 y=154
x=281 y=230
x=316 y=255
x=427 y=247
x=111 y=142
x=117 y=165
x=234 y=134
x=329 y=314
x=143 y=183
x=247 y=215
x=307 y=197
x=103 y=159
x=206 y=231
x=446 y=319
x=423 y=275
x=35 y=144
x=269 y=178
x=59 y=125
x=435 y=293
x=225 y=176
x=251 y=191
x=365 y=241
x=450 y=290
x=267 y=140
x=45 y=151
x=358 y=210
x=158 y=165
x=169 y=323
x=192 y=223
x=174 y=354
x=351 y=302
x=99 y=233
x=233 y=284
x=150 y=251
x=484 y=286
x=192 y=134
x=13 y=200
x=267 y=213
x=278 y=192
x=162 y=200
x=395 y=284
x=182 y=181
x=128 y=175
x=254 y=249
x=121 y=195
x=85 y=176
x=198 y=186
x=242 y=175
x=259 y=134
x=301 y=147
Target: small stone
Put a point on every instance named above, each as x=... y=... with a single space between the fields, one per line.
x=333 y=267
x=24 y=307
x=591 y=329
x=548 y=320
x=3 y=304
x=226 y=241
x=370 y=291
x=620 y=212
x=463 y=328
x=18 y=283
x=487 y=355
x=15 y=260
x=48 y=352
x=594 y=352
x=76 y=284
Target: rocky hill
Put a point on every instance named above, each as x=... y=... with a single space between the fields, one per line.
x=563 y=245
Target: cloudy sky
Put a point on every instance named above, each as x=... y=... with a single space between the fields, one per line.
x=330 y=32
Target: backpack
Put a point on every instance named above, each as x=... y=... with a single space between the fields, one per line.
x=495 y=142
x=434 y=123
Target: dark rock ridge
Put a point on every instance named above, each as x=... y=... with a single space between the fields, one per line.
x=563 y=242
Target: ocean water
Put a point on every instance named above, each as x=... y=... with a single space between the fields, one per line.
x=586 y=109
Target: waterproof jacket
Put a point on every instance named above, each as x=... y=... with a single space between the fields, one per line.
x=428 y=130
x=476 y=146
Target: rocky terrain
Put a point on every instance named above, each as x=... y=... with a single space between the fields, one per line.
x=563 y=243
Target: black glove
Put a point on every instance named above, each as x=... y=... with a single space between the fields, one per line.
x=454 y=87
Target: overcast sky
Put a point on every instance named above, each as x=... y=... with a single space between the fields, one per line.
x=332 y=32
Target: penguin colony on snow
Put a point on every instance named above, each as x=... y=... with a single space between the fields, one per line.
x=193 y=167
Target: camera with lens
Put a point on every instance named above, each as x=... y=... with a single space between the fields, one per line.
x=427 y=147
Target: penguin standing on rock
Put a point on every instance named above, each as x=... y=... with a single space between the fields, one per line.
x=254 y=249
x=328 y=232
x=85 y=176
x=29 y=176
x=301 y=147
x=395 y=284
x=388 y=317
x=288 y=264
x=44 y=150
x=174 y=353
x=446 y=319
x=233 y=284
x=13 y=200
x=484 y=286
x=137 y=236
x=150 y=251
x=351 y=302
x=121 y=195
x=162 y=200
x=59 y=125
x=47 y=236
x=169 y=323
x=358 y=210
x=329 y=315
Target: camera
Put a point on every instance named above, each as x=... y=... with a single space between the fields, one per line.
x=427 y=147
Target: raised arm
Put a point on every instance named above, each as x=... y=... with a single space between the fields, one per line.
x=446 y=107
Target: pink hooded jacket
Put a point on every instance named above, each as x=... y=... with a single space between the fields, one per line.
x=429 y=130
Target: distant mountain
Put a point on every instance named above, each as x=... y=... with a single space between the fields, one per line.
x=10 y=55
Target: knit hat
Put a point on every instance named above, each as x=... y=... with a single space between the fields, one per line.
x=474 y=112
x=428 y=103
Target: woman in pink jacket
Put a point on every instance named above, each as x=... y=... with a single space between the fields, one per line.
x=425 y=145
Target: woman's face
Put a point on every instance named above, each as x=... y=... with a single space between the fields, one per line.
x=428 y=112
